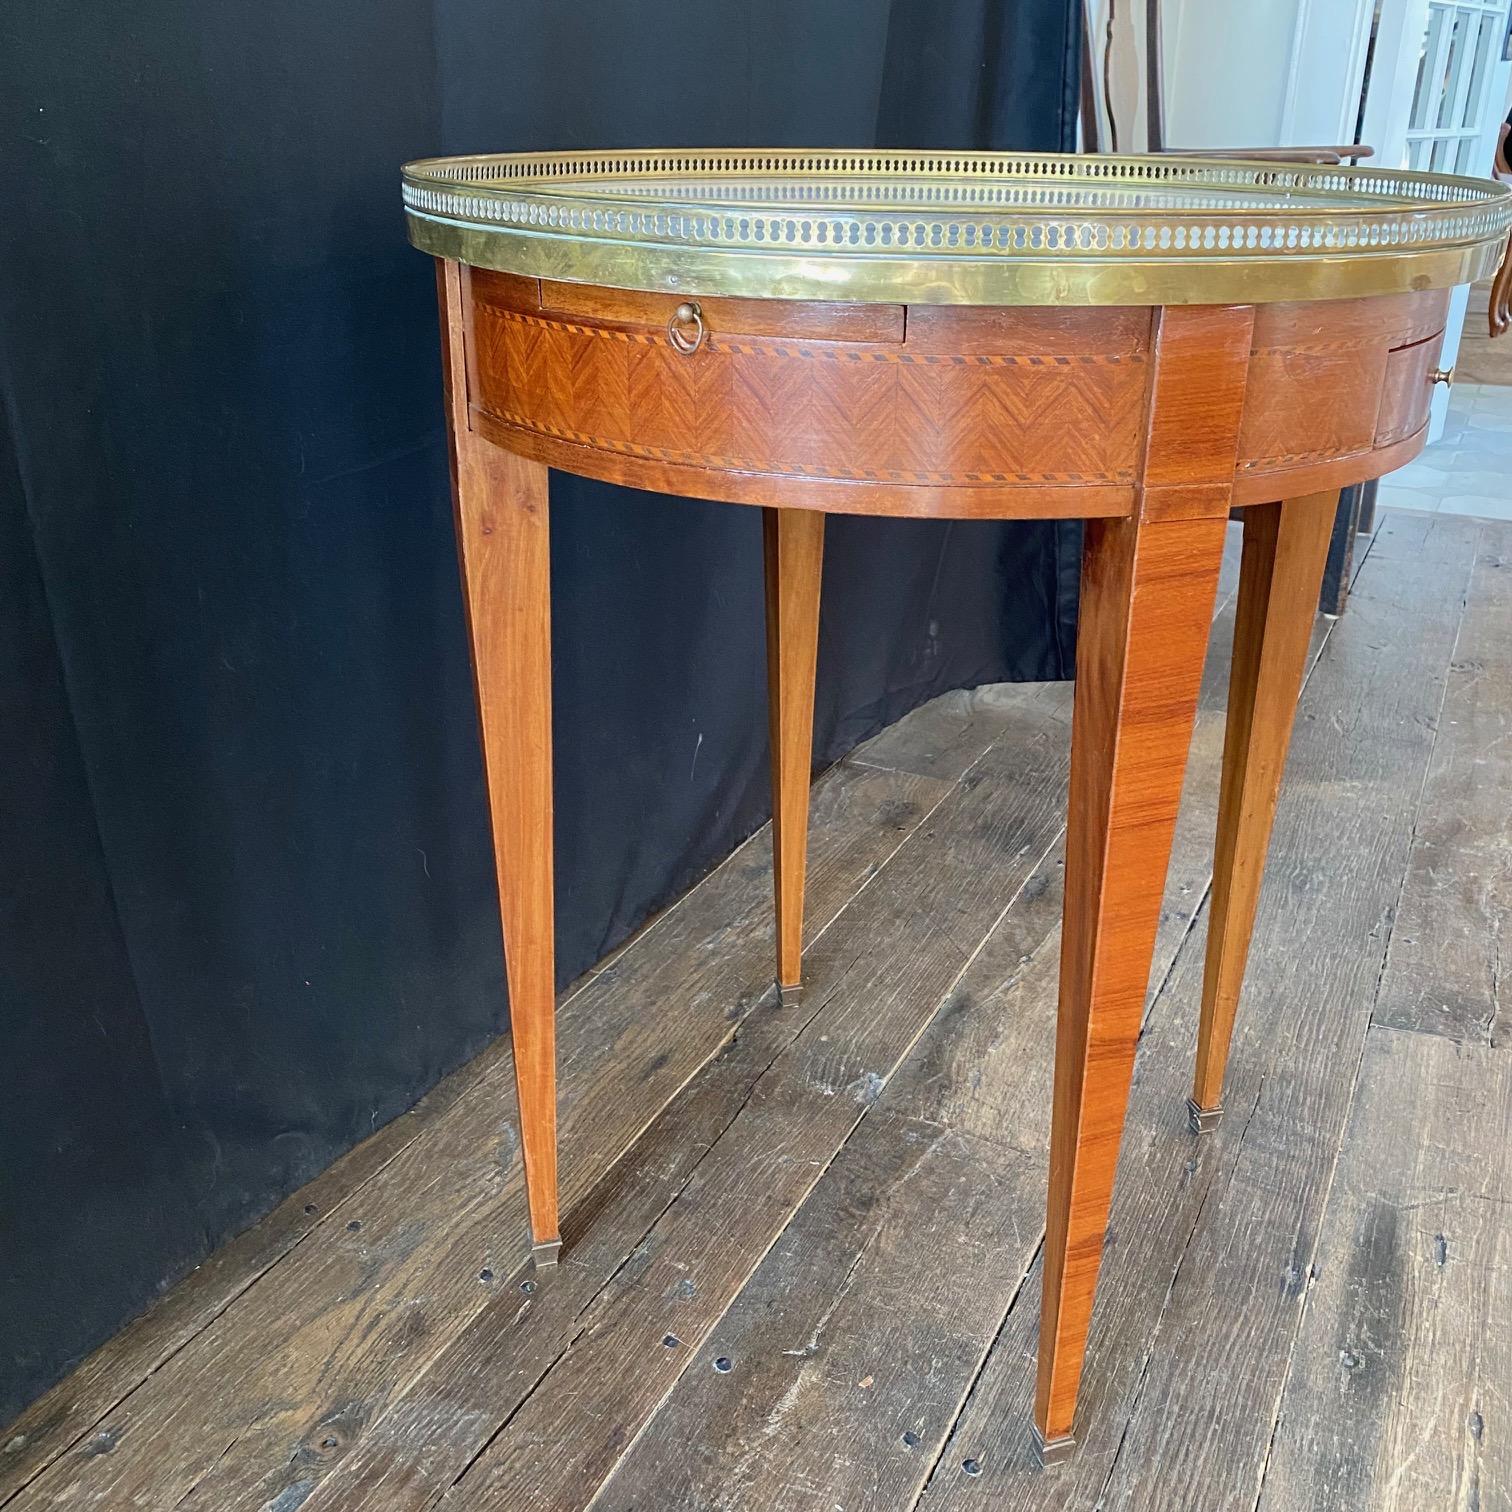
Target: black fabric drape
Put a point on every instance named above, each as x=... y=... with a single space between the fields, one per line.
x=246 y=906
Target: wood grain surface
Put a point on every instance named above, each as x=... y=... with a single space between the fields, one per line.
x=854 y=1343
x=928 y=410
x=863 y=1009
x=1141 y=640
x=1397 y=1394
x=1284 y=551
x=1211 y=1241
x=503 y=528
x=1148 y=585
x=1448 y=959
x=821 y=408
x=793 y=547
x=355 y=1315
x=318 y=1365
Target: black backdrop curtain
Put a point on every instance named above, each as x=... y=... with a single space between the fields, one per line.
x=246 y=912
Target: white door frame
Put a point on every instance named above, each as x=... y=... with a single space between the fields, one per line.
x=1415 y=67
x=1322 y=100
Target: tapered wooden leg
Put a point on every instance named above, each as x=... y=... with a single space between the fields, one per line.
x=1148 y=584
x=1147 y=600
x=1285 y=548
x=503 y=536
x=794 y=551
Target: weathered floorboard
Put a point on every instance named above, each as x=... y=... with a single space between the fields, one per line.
x=58 y=1419
x=936 y=740
x=853 y=1258
x=336 y=1330
x=934 y=904
x=854 y=1342
x=1447 y=960
x=946 y=736
x=411 y=1454
x=1235 y=1303
x=1398 y=1398
x=1211 y=1238
x=850 y=1347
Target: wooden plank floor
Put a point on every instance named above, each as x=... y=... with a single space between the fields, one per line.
x=802 y=1244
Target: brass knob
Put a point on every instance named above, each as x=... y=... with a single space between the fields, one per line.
x=1441 y=375
x=682 y=338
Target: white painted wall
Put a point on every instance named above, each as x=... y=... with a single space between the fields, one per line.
x=1279 y=73
x=1226 y=67
x=1266 y=73
x=1273 y=73
x=1326 y=71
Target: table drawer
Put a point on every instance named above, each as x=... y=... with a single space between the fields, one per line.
x=637 y=312
x=859 y=394
x=1407 y=389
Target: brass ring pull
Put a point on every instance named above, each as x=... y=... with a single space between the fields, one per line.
x=1441 y=375
x=683 y=316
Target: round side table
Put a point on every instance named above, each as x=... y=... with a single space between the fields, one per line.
x=1141 y=343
